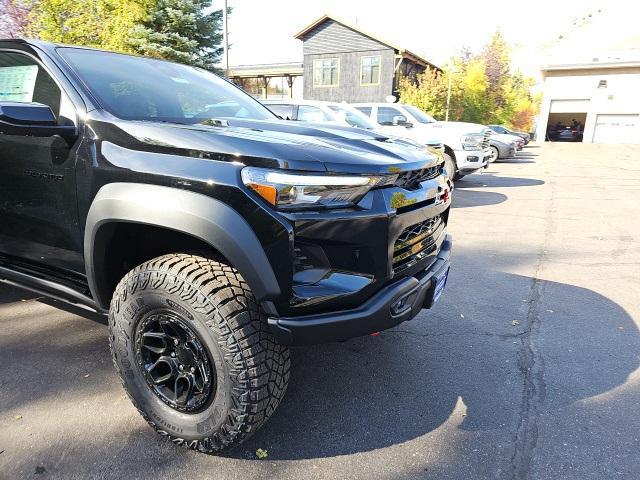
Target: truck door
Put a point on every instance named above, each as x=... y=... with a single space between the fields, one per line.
x=38 y=209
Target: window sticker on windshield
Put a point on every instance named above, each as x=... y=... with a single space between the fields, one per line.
x=17 y=83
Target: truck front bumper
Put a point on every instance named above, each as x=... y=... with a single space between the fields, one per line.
x=469 y=161
x=394 y=304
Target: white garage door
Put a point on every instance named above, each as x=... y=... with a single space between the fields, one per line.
x=569 y=106
x=617 y=129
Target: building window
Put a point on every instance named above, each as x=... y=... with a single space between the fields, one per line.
x=326 y=72
x=370 y=70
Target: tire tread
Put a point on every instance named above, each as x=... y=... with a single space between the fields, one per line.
x=259 y=367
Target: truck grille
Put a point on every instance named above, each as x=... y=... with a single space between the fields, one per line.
x=485 y=139
x=415 y=243
x=411 y=180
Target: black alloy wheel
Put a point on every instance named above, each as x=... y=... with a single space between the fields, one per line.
x=174 y=362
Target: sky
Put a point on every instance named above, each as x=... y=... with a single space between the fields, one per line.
x=261 y=31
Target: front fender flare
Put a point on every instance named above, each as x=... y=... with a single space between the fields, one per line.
x=203 y=217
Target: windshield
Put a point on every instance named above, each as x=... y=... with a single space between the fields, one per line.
x=353 y=117
x=138 y=88
x=419 y=115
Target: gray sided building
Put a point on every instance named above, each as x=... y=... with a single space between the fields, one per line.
x=343 y=63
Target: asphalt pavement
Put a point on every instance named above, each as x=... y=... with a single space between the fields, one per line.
x=527 y=368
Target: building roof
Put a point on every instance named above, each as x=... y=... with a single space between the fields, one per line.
x=267 y=70
x=629 y=58
x=400 y=51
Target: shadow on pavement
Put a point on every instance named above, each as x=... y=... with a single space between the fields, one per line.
x=490 y=180
x=343 y=398
x=374 y=392
x=469 y=191
x=476 y=198
x=518 y=159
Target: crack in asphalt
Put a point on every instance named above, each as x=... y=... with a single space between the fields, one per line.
x=531 y=365
x=531 y=362
x=480 y=334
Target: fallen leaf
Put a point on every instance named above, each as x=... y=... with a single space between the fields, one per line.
x=461 y=316
x=515 y=322
x=549 y=311
x=620 y=327
x=87 y=375
x=18 y=417
x=261 y=454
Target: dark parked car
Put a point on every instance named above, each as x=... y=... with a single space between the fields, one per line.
x=211 y=233
x=502 y=129
x=560 y=132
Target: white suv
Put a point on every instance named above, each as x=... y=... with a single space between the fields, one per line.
x=466 y=144
x=321 y=112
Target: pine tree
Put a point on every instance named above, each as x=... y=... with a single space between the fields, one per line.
x=181 y=31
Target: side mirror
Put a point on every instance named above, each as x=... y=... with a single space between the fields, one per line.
x=26 y=114
x=399 y=120
x=31 y=119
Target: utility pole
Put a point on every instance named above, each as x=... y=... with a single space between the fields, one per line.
x=225 y=39
x=446 y=115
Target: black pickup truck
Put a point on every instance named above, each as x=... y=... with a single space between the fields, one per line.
x=211 y=233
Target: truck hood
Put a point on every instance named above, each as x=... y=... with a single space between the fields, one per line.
x=273 y=144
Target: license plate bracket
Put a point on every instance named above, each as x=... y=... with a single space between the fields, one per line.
x=439 y=282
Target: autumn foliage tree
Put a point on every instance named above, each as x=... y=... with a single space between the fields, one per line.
x=186 y=31
x=483 y=89
x=14 y=18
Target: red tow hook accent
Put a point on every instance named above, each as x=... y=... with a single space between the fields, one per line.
x=375 y=334
x=444 y=196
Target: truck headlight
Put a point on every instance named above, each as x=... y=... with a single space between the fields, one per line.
x=471 y=142
x=289 y=191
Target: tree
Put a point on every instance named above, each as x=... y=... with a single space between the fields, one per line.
x=181 y=31
x=483 y=88
x=428 y=91
x=92 y=23
x=178 y=30
x=473 y=98
x=15 y=17
x=497 y=64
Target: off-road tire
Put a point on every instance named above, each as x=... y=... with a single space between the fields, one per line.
x=251 y=369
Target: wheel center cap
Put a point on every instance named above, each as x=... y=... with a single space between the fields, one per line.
x=185 y=355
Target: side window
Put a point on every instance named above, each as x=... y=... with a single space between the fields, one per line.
x=370 y=70
x=308 y=113
x=386 y=114
x=326 y=72
x=282 y=110
x=365 y=110
x=22 y=79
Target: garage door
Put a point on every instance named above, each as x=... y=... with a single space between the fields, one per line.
x=569 y=106
x=617 y=129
